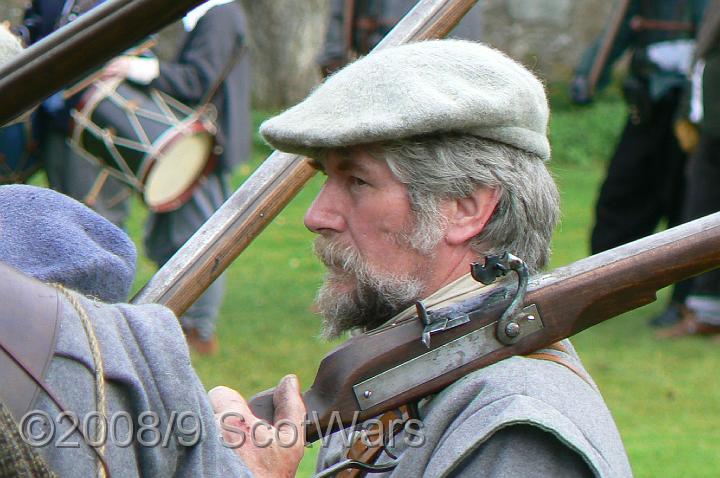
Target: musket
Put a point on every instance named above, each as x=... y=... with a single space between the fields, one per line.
x=412 y=358
x=270 y=188
x=71 y=52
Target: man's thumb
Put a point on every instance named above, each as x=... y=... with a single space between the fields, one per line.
x=288 y=401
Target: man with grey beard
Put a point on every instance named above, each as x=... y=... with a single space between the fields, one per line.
x=435 y=156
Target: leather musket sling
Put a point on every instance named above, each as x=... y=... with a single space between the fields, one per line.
x=29 y=312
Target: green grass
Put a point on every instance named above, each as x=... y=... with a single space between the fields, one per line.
x=664 y=395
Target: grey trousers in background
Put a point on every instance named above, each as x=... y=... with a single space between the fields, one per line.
x=164 y=233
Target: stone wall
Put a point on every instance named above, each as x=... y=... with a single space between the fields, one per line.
x=548 y=36
x=11 y=10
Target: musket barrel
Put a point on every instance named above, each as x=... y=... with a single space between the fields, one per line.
x=79 y=47
x=233 y=227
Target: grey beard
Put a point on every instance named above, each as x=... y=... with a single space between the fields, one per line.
x=376 y=298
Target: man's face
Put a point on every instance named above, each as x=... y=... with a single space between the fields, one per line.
x=364 y=220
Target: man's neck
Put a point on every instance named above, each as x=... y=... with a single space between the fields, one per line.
x=452 y=264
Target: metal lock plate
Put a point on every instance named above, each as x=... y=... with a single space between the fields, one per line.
x=439 y=361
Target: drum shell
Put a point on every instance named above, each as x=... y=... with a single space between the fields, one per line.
x=127 y=129
x=110 y=116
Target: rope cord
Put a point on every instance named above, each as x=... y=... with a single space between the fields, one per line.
x=100 y=396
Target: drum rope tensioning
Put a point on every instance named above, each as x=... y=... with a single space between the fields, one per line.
x=154 y=143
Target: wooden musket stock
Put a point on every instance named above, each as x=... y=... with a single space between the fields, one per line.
x=569 y=300
x=72 y=51
x=264 y=194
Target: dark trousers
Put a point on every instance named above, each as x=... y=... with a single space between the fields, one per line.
x=703 y=198
x=644 y=183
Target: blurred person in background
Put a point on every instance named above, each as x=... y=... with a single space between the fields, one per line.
x=645 y=183
x=66 y=171
x=699 y=134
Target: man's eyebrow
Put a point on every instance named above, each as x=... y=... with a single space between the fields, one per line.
x=349 y=163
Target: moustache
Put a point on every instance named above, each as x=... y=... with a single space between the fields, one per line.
x=338 y=256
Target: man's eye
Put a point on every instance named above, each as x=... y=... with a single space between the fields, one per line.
x=355 y=181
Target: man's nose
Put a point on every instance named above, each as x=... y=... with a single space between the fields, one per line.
x=325 y=213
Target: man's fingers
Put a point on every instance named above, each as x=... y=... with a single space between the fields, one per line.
x=266 y=449
x=234 y=418
x=289 y=417
x=288 y=402
x=229 y=405
x=234 y=415
x=224 y=398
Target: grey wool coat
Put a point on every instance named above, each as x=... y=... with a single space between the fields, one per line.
x=516 y=418
x=148 y=372
x=149 y=380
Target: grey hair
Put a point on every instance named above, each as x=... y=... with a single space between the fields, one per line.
x=451 y=166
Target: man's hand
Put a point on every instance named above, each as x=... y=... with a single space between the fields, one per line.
x=117 y=67
x=136 y=69
x=269 y=450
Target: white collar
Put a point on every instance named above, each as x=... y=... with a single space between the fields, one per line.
x=193 y=16
x=461 y=289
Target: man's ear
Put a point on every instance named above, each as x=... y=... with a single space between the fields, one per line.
x=468 y=216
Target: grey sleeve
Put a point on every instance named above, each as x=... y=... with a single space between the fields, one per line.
x=522 y=450
x=203 y=58
x=150 y=386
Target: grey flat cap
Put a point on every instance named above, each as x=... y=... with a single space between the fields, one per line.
x=421 y=88
x=9 y=45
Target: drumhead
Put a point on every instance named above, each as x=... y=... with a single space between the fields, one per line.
x=176 y=170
